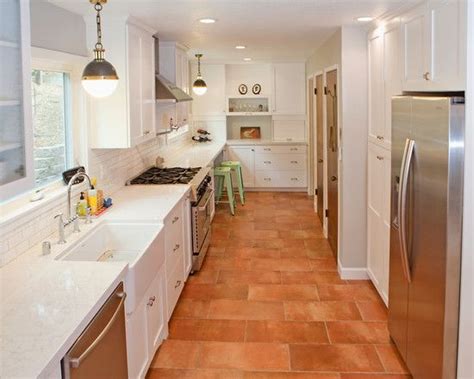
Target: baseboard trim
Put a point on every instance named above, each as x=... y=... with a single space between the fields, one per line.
x=352 y=273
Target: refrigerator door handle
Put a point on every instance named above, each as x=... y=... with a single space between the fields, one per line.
x=402 y=200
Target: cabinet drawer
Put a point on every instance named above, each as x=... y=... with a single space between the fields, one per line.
x=278 y=149
x=281 y=179
x=174 y=237
x=270 y=161
x=174 y=285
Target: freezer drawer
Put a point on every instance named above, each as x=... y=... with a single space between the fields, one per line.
x=101 y=349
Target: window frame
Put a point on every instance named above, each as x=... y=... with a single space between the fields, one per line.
x=40 y=65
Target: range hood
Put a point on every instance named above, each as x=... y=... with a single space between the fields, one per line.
x=166 y=90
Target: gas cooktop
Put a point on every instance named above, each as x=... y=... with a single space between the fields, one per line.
x=170 y=175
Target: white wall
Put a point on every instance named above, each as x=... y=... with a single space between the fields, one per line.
x=328 y=54
x=466 y=324
x=57 y=29
x=354 y=109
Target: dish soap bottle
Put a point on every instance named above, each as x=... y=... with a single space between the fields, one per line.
x=92 y=199
x=81 y=208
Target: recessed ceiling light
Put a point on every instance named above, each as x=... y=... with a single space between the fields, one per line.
x=247 y=59
x=240 y=47
x=207 y=20
x=364 y=19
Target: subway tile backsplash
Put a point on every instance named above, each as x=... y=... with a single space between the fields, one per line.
x=112 y=168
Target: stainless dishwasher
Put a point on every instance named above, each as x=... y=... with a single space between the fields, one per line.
x=101 y=349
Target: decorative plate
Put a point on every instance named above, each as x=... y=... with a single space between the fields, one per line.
x=256 y=89
x=243 y=89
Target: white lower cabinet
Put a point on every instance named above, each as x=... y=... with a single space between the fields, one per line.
x=378 y=217
x=271 y=166
x=147 y=327
x=246 y=156
x=147 y=324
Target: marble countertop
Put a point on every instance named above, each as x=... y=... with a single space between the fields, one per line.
x=47 y=303
x=251 y=142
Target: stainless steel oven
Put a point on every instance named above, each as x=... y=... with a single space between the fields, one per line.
x=201 y=213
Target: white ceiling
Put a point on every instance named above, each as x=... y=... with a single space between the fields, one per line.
x=272 y=30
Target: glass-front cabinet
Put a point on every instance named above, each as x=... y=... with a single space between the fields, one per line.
x=16 y=173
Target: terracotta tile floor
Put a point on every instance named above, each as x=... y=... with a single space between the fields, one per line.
x=269 y=303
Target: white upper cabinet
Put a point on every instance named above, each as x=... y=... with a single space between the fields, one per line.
x=376 y=87
x=289 y=88
x=213 y=102
x=384 y=80
x=434 y=40
x=127 y=117
x=16 y=137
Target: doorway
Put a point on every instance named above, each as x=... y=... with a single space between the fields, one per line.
x=319 y=160
x=332 y=158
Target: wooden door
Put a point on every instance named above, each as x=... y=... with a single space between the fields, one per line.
x=332 y=158
x=319 y=161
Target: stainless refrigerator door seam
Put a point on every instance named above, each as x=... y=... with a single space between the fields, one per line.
x=402 y=197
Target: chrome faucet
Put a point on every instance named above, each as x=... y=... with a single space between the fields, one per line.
x=70 y=184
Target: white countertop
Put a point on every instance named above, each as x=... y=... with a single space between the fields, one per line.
x=46 y=303
x=253 y=142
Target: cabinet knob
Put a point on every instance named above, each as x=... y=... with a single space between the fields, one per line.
x=320 y=161
x=333 y=178
x=380 y=138
x=426 y=76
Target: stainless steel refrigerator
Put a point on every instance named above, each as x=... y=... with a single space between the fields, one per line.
x=425 y=236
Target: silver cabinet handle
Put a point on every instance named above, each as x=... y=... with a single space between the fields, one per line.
x=267 y=149
x=294 y=162
x=267 y=179
x=294 y=179
x=176 y=247
x=379 y=157
x=76 y=362
x=402 y=198
x=294 y=149
x=267 y=162
x=380 y=138
x=204 y=207
x=176 y=218
x=178 y=283
x=289 y=139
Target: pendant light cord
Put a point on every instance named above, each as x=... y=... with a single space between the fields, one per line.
x=98 y=8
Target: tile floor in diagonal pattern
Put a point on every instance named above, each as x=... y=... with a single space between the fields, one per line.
x=269 y=303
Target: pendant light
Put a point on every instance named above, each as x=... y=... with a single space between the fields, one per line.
x=99 y=77
x=199 y=86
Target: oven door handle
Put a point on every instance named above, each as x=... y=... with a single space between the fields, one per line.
x=203 y=208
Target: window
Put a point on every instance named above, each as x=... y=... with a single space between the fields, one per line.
x=52 y=147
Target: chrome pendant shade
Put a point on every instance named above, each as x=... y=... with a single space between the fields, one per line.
x=99 y=77
x=199 y=85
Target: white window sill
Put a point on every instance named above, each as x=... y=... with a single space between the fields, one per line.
x=22 y=206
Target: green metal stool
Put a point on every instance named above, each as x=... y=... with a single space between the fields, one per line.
x=223 y=176
x=237 y=167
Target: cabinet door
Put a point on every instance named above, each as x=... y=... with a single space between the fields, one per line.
x=156 y=311
x=376 y=88
x=415 y=36
x=246 y=156
x=289 y=88
x=137 y=341
x=392 y=76
x=447 y=28
x=375 y=198
x=16 y=142
x=213 y=102
x=289 y=130
x=148 y=86
x=134 y=49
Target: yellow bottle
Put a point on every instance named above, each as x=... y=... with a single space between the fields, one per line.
x=92 y=200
